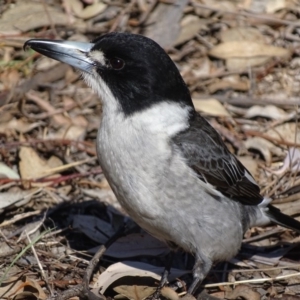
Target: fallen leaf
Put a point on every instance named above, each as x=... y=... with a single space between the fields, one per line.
x=190 y=26
x=233 y=82
x=288 y=132
x=158 y=24
x=210 y=107
x=16 y=197
x=72 y=132
x=203 y=67
x=244 y=292
x=23 y=17
x=89 y=11
x=31 y=166
x=18 y=125
x=7 y=172
x=135 y=292
x=24 y=288
x=268 y=111
x=242 y=34
x=169 y=293
x=132 y=269
x=221 y=5
x=247 y=49
x=265 y=147
x=274 y=5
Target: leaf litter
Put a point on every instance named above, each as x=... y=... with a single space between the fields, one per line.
x=240 y=61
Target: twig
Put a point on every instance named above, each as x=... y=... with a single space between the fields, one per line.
x=83 y=289
x=264 y=235
x=44 y=276
x=257 y=280
x=20 y=217
x=54 y=180
x=94 y=262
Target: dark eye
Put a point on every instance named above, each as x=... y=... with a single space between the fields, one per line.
x=116 y=63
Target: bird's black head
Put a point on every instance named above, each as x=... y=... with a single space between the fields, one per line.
x=135 y=69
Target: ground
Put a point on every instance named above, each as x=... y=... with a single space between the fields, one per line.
x=241 y=62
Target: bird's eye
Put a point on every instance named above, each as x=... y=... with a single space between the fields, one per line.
x=116 y=63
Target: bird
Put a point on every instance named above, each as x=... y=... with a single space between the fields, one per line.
x=168 y=167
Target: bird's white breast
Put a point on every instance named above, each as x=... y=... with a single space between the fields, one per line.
x=134 y=153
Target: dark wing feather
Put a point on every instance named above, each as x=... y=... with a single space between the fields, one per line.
x=209 y=157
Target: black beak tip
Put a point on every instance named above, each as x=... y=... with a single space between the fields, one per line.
x=27 y=45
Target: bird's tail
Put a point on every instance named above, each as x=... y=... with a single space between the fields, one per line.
x=281 y=219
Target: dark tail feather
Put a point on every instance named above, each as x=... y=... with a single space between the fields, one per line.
x=281 y=219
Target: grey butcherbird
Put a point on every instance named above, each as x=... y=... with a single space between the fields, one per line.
x=167 y=166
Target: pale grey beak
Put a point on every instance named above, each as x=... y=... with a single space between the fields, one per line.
x=72 y=53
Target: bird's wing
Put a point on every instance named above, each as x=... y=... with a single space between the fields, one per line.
x=206 y=153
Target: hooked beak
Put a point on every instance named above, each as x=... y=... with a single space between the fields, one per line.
x=72 y=53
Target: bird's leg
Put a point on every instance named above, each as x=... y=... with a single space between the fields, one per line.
x=165 y=274
x=201 y=268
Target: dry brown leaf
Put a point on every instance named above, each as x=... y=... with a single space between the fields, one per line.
x=268 y=111
x=288 y=132
x=18 y=125
x=204 y=67
x=135 y=292
x=274 y=5
x=190 y=26
x=229 y=82
x=23 y=17
x=72 y=132
x=237 y=64
x=222 y=5
x=24 y=288
x=244 y=292
x=242 y=34
x=169 y=293
x=132 y=269
x=7 y=172
x=31 y=166
x=16 y=197
x=265 y=147
x=211 y=107
x=89 y=11
x=247 y=49
x=158 y=25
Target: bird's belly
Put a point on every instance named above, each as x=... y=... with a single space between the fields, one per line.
x=164 y=196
